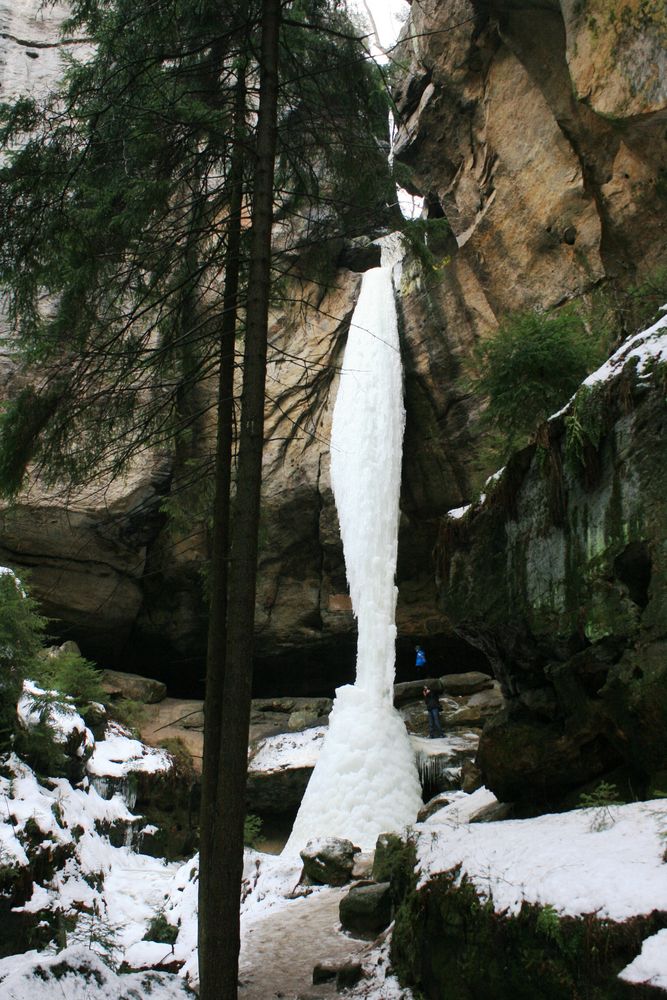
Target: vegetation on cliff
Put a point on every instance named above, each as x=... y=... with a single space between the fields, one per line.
x=127 y=197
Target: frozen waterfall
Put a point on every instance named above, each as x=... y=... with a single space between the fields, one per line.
x=366 y=781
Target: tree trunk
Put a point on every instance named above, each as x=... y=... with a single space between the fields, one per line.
x=226 y=846
x=217 y=622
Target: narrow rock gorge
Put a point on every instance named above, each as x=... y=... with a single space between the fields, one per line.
x=537 y=135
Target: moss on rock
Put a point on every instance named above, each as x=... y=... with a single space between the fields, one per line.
x=573 y=606
x=449 y=944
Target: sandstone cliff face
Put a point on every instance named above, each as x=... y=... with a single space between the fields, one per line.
x=30 y=46
x=539 y=134
x=539 y=131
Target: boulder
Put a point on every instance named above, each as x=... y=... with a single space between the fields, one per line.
x=471 y=777
x=492 y=813
x=277 y=791
x=133 y=686
x=348 y=975
x=329 y=862
x=175 y=719
x=279 y=770
x=95 y=717
x=366 y=909
x=432 y=806
x=68 y=648
x=325 y=971
x=302 y=719
x=476 y=709
x=389 y=849
x=449 y=684
x=363 y=865
x=468 y=683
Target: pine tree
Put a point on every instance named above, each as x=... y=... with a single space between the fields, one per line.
x=127 y=255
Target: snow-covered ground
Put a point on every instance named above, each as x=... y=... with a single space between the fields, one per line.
x=77 y=973
x=606 y=860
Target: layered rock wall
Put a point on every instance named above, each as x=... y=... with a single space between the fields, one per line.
x=537 y=131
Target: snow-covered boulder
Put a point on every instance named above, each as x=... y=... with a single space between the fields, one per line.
x=330 y=861
x=279 y=770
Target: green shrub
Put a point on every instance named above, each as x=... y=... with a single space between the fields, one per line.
x=38 y=748
x=129 y=713
x=529 y=369
x=584 y=424
x=71 y=675
x=601 y=798
x=161 y=930
x=604 y=794
x=21 y=637
x=252 y=826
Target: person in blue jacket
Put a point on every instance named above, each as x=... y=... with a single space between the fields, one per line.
x=420 y=659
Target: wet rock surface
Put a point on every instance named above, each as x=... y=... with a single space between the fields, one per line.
x=366 y=909
x=571 y=609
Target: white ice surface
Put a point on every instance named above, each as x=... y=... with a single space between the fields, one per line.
x=366 y=781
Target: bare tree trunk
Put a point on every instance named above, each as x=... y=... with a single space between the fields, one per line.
x=226 y=845
x=210 y=816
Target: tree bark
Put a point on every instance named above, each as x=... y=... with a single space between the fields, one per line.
x=226 y=845
x=217 y=623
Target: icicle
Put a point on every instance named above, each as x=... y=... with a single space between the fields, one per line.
x=366 y=782
x=107 y=786
x=437 y=771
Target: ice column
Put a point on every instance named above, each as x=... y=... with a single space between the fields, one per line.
x=366 y=781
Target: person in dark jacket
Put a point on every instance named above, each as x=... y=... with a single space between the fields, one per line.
x=433 y=706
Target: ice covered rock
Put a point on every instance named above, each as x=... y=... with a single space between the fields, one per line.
x=329 y=861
